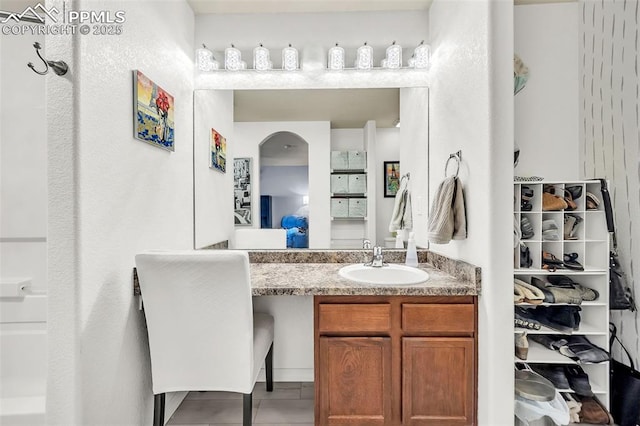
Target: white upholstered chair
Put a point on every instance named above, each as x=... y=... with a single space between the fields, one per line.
x=203 y=333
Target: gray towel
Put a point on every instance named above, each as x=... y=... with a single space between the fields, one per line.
x=401 y=217
x=447 y=219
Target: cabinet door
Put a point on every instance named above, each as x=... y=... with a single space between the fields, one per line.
x=354 y=381
x=438 y=381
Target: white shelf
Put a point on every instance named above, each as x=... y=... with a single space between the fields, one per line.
x=593 y=251
x=348 y=195
x=347 y=171
x=538 y=354
x=594 y=303
x=584 y=330
x=349 y=218
x=532 y=271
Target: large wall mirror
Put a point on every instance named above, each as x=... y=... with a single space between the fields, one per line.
x=317 y=164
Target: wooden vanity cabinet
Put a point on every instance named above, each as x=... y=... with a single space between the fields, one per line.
x=395 y=360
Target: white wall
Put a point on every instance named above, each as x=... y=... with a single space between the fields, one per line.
x=249 y=136
x=387 y=149
x=277 y=30
x=213 y=200
x=546 y=110
x=471 y=108
x=609 y=128
x=110 y=197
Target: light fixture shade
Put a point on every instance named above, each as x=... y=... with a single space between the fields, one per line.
x=364 y=57
x=422 y=56
x=232 y=59
x=394 y=56
x=205 y=60
x=336 y=58
x=261 y=61
x=290 y=58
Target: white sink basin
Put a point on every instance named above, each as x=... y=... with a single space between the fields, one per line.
x=392 y=274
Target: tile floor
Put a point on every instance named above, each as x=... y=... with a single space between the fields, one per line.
x=290 y=404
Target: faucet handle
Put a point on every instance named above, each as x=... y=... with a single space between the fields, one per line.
x=377 y=251
x=366 y=244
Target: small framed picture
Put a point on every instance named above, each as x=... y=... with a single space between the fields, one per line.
x=391 y=178
x=242 y=191
x=218 y=144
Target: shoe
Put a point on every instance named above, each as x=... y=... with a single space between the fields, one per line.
x=524 y=319
x=592 y=201
x=550 y=230
x=562 y=281
x=532 y=294
x=554 y=373
x=522 y=345
x=571 y=262
x=564 y=319
x=571 y=224
x=550 y=262
x=552 y=202
x=525 y=256
x=578 y=380
x=580 y=349
x=574 y=407
x=568 y=198
x=575 y=191
x=526 y=228
x=548 y=296
x=593 y=412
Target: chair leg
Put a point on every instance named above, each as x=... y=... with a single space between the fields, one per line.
x=158 y=409
x=247 y=409
x=268 y=369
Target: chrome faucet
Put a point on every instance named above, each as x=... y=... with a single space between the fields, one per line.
x=377 y=258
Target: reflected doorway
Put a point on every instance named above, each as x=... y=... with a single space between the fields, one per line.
x=284 y=186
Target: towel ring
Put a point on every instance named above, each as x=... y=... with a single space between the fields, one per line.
x=456 y=157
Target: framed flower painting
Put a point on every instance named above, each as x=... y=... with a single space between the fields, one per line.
x=154 y=110
x=218 y=157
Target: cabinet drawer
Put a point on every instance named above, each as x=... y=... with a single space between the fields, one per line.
x=449 y=318
x=354 y=317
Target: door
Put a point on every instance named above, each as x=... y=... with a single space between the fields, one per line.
x=438 y=381
x=354 y=381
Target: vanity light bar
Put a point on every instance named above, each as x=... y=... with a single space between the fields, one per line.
x=420 y=59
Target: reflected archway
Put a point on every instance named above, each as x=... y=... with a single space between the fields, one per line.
x=284 y=186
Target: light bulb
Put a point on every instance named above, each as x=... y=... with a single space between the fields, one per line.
x=336 y=58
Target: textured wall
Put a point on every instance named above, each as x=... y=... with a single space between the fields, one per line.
x=610 y=128
x=110 y=197
x=471 y=108
x=546 y=110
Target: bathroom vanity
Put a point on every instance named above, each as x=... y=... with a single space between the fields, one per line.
x=384 y=354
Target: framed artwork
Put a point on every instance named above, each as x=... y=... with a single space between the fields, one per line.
x=391 y=178
x=218 y=156
x=242 y=191
x=153 y=109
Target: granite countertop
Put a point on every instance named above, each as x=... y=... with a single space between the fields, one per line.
x=300 y=279
x=315 y=272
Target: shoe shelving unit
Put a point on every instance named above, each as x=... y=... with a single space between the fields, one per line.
x=592 y=246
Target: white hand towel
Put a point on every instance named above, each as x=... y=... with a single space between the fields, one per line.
x=401 y=217
x=447 y=219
